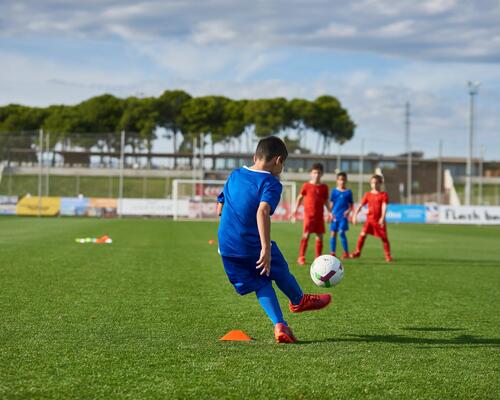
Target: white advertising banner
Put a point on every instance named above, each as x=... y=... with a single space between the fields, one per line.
x=474 y=215
x=153 y=207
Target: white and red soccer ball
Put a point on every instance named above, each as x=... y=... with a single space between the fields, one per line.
x=327 y=271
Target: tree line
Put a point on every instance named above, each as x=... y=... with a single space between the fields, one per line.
x=98 y=121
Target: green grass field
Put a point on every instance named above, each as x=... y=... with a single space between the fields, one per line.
x=141 y=318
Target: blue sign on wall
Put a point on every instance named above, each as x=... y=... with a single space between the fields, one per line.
x=405 y=213
x=74 y=206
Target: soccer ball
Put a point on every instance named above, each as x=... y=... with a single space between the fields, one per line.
x=327 y=271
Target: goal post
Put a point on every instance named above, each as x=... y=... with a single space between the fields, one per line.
x=196 y=199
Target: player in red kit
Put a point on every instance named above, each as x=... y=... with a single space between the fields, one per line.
x=375 y=222
x=314 y=194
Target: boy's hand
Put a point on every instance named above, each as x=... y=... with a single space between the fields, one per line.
x=381 y=222
x=329 y=218
x=264 y=262
x=346 y=213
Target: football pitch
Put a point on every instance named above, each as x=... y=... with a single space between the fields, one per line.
x=141 y=318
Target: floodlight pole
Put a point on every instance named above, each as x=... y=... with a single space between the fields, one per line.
x=480 y=191
x=122 y=165
x=361 y=160
x=473 y=89
x=408 y=154
x=339 y=157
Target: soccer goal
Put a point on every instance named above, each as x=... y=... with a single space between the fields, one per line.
x=196 y=199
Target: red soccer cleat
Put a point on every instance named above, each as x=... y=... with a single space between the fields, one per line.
x=388 y=259
x=345 y=255
x=332 y=253
x=311 y=302
x=301 y=260
x=356 y=254
x=283 y=334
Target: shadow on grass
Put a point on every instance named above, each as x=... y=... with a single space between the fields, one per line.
x=445 y=262
x=431 y=329
x=462 y=340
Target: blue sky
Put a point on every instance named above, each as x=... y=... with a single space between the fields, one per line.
x=374 y=55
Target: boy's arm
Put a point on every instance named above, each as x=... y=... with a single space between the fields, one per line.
x=357 y=210
x=351 y=207
x=264 y=227
x=384 y=212
x=220 y=203
x=297 y=204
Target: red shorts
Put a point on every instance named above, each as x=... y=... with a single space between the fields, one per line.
x=374 y=228
x=314 y=225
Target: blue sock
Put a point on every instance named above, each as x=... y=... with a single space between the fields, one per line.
x=333 y=243
x=289 y=285
x=269 y=302
x=343 y=239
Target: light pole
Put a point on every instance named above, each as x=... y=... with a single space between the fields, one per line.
x=408 y=154
x=473 y=89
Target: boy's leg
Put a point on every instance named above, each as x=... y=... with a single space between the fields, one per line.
x=360 y=244
x=319 y=244
x=303 y=248
x=333 y=242
x=387 y=246
x=287 y=283
x=343 y=240
x=269 y=302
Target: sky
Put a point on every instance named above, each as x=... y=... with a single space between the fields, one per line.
x=373 y=55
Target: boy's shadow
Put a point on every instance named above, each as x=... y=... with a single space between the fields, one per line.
x=461 y=340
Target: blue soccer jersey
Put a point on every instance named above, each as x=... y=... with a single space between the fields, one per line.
x=244 y=190
x=342 y=201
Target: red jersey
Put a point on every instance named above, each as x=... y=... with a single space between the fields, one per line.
x=374 y=201
x=315 y=197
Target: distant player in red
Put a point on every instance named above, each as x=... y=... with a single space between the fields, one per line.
x=314 y=194
x=375 y=222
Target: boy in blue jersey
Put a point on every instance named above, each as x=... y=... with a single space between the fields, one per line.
x=251 y=260
x=342 y=205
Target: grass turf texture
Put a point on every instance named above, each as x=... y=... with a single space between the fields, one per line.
x=141 y=318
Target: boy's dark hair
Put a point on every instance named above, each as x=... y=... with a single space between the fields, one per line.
x=378 y=178
x=271 y=147
x=342 y=174
x=318 y=167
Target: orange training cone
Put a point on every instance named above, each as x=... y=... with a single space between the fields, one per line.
x=236 y=336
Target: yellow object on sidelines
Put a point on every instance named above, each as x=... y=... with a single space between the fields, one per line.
x=44 y=206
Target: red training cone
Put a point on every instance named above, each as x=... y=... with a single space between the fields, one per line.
x=236 y=336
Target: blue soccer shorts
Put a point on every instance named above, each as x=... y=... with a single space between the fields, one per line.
x=339 y=225
x=246 y=278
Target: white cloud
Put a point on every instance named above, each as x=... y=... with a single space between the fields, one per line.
x=429 y=30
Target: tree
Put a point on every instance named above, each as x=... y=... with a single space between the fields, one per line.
x=140 y=119
x=19 y=127
x=202 y=115
x=169 y=106
x=301 y=115
x=331 y=121
x=267 y=116
x=100 y=117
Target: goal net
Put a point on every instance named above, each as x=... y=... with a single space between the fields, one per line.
x=196 y=199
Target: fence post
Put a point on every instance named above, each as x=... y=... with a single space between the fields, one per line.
x=440 y=172
x=47 y=144
x=120 y=189
x=40 y=170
